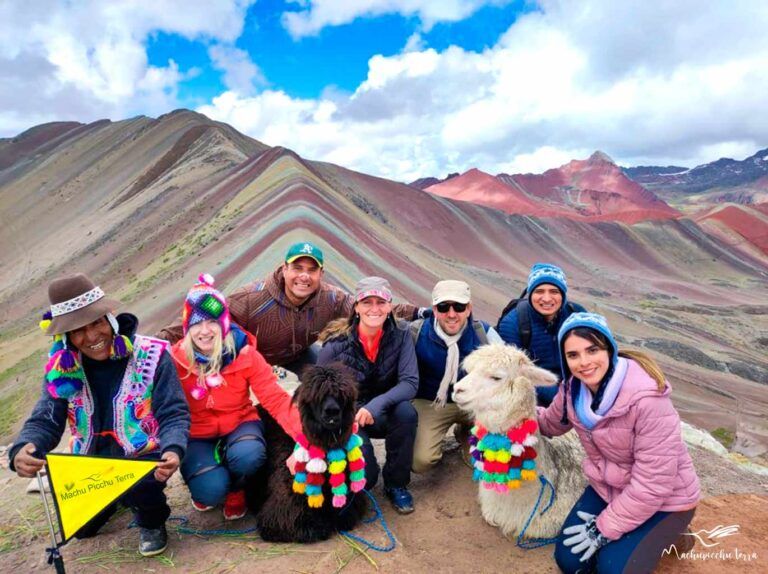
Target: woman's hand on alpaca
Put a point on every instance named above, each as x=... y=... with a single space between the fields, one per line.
x=363 y=417
x=290 y=462
x=25 y=463
x=169 y=463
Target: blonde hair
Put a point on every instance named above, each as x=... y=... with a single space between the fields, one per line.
x=214 y=364
x=648 y=364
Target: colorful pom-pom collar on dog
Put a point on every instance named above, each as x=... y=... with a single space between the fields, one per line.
x=503 y=461
x=312 y=463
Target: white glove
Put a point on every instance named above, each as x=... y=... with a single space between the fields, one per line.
x=586 y=537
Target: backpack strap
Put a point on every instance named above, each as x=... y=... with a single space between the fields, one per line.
x=480 y=332
x=513 y=303
x=524 y=323
x=415 y=327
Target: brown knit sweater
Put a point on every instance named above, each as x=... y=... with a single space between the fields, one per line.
x=283 y=331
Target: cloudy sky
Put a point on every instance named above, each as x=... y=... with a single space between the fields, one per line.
x=407 y=88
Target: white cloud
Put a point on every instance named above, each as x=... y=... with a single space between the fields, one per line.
x=241 y=74
x=655 y=82
x=318 y=14
x=87 y=60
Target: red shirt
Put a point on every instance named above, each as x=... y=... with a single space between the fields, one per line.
x=370 y=344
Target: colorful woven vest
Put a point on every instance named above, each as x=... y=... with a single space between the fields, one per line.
x=502 y=461
x=311 y=467
x=135 y=427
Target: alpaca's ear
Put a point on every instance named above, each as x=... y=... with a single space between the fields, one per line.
x=537 y=375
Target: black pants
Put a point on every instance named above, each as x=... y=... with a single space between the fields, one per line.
x=397 y=426
x=146 y=499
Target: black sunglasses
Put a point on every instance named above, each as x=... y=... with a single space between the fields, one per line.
x=458 y=307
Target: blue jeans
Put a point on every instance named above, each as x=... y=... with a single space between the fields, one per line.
x=637 y=551
x=240 y=454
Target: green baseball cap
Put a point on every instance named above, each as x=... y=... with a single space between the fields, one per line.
x=304 y=249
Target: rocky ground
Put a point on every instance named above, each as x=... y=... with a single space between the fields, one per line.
x=445 y=534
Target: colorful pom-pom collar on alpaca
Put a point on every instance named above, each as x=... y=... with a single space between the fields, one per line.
x=312 y=463
x=64 y=372
x=502 y=461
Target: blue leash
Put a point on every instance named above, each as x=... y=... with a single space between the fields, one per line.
x=182 y=520
x=538 y=542
x=377 y=516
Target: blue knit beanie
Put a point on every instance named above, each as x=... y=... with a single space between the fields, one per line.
x=547 y=273
x=590 y=321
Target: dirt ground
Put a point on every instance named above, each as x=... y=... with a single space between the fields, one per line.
x=445 y=534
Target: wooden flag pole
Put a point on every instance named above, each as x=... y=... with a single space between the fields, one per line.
x=54 y=556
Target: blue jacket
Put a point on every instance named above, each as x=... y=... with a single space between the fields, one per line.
x=543 y=348
x=431 y=353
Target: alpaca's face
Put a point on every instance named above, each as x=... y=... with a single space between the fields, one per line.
x=499 y=387
x=326 y=400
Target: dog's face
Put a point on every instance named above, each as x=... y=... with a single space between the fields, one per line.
x=326 y=400
x=499 y=387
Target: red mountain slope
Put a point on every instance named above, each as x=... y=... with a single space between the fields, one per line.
x=748 y=222
x=594 y=189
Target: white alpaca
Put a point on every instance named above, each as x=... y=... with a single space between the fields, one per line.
x=499 y=392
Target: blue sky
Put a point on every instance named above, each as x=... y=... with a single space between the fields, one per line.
x=334 y=57
x=407 y=88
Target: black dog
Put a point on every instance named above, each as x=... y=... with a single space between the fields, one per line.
x=326 y=401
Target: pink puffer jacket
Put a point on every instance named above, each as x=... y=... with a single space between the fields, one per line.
x=636 y=459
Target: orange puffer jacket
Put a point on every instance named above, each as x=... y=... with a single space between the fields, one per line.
x=225 y=407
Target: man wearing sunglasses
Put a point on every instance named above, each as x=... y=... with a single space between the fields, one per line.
x=442 y=342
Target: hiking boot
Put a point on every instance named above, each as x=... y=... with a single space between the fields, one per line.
x=200 y=507
x=234 y=505
x=152 y=541
x=401 y=499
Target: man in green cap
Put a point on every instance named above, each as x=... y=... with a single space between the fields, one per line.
x=287 y=310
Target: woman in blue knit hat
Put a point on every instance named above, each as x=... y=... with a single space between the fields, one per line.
x=643 y=489
x=533 y=323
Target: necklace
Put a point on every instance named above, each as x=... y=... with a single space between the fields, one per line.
x=502 y=461
x=312 y=464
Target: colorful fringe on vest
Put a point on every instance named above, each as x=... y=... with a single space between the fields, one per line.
x=312 y=464
x=502 y=461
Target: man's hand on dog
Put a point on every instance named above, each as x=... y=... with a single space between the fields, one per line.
x=290 y=462
x=364 y=417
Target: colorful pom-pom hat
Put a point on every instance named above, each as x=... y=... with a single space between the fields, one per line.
x=76 y=301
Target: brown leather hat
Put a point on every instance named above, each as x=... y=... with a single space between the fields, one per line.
x=75 y=302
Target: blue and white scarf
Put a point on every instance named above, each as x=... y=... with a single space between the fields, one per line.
x=583 y=402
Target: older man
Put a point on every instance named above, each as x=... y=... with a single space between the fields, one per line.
x=287 y=310
x=442 y=342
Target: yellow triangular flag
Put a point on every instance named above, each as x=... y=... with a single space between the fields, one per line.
x=83 y=486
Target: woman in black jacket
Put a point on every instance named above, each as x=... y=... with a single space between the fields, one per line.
x=381 y=354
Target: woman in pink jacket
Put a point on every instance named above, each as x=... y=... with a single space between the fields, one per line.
x=643 y=489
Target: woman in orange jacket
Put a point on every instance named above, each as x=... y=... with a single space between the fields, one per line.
x=218 y=365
